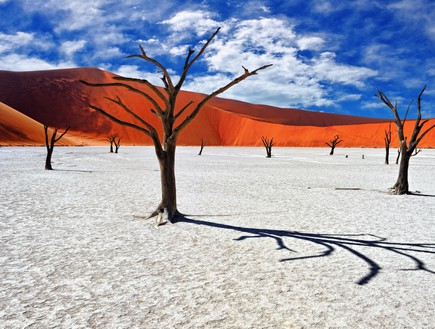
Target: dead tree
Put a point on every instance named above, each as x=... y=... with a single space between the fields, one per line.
x=407 y=146
x=387 y=140
x=111 y=139
x=49 y=144
x=165 y=107
x=268 y=143
x=333 y=143
x=117 y=143
x=201 y=147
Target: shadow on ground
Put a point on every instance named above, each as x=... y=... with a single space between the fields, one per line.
x=330 y=243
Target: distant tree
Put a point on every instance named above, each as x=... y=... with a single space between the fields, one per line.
x=164 y=107
x=117 y=143
x=407 y=146
x=268 y=143
x=333 y=143
x=387 y=140
x=111 y=139
x=202 y=146
x=49 y=144
x=398 y=156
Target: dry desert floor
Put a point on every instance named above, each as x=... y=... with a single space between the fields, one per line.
x=301 y=240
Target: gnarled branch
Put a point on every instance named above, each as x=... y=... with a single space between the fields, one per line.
x=219 y=91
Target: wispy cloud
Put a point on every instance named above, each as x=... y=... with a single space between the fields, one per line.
x=25 y=63
x=294 y=80
x=71 y=47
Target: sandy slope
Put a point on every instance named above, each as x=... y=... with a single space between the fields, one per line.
x=267 y=243
x=57 y=97
x=20 y=130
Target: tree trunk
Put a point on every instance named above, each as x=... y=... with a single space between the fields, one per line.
x=167 y=177
x=202 y=147
x=401 y=186
x=268 y=152
x=398 y=156
x=332 y=150
x=387 y=155
x=48 y=159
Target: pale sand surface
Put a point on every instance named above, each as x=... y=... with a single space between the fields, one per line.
x=73 y=256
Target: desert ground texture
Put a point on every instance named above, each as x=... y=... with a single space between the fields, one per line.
x=300 y=240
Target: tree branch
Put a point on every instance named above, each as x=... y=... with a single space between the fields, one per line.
x=417 y=126
x=119 y=102
x=393 y=108
x=130 y=88
x=424 y=133
x=121 y=122
x=219 y=91
x=182 y=110
x=57 y=139
x=156 y=63
x=154 y=137
x=148 y=84
x=188 y=64
x=406 y=114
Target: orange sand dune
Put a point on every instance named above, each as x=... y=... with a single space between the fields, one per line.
x=17 y=129
x=57 y=97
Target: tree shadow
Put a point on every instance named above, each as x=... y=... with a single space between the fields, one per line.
x=74 y=170
x=421 y=194
x=332 y=242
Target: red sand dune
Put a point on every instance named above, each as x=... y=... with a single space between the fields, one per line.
x=57 y=98
x=17 y=129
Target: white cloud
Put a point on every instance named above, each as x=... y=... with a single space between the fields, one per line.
x=373 y=105
x=327 y=69
x=265 y=9
x=291 y=81
x=15 y=62
x=324 y=7
x=200 y=21
x=350 y=97
x=100 y=22
x=9 y=42
x=71 y=47
x=420 y=13
x=310 y=43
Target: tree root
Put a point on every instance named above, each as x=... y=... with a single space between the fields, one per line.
x=165 y=215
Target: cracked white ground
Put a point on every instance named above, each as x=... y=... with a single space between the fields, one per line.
x=303 y=239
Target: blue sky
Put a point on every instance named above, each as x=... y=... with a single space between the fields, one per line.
x=328 y=55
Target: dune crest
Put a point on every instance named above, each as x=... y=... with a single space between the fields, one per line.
x=58 y=98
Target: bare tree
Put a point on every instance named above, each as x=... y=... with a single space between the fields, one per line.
x=202 y=146
x=117 y=143
x=111 y=139
x=164 y=107
x=268 y=143
x=333 y=143
x=407 y=146
x=49 y=144
x=387 y=140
